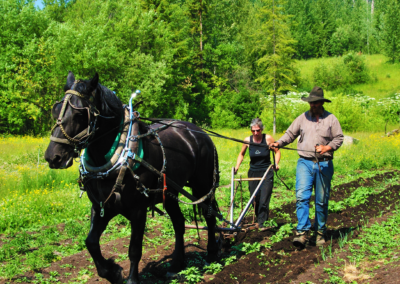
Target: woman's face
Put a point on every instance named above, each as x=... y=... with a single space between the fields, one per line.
x=256 y=130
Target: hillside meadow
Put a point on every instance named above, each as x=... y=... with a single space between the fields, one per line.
x=385 y=75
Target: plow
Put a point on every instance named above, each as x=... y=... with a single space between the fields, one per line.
x=230 y=229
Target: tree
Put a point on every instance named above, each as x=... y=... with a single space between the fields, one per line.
x=391 y=35
x=276 y=70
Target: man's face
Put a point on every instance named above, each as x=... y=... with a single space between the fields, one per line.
x=316 y=108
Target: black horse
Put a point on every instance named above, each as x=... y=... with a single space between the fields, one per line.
x=91 y=117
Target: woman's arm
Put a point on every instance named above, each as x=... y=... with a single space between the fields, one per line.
x=270 y=140
x=241 y=154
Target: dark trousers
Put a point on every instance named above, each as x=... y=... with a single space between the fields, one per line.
x=263 y=197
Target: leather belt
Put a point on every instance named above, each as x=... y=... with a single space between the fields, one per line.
x=323 y=159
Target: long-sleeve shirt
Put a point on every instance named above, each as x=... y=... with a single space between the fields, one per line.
x=326 y=131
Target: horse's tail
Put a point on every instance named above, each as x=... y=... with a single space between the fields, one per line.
x=216 y=168
x=214 y=202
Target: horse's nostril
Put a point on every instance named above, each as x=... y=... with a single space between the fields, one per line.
x=55 y=161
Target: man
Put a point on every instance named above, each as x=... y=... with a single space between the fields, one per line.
x=320 y=135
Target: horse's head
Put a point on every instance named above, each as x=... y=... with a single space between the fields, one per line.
x=76 y=117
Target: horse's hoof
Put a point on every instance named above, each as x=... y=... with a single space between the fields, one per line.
x=120 y=277
x=172 y=275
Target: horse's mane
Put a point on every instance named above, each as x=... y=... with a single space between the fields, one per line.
x=109 y=101
x=110 y=104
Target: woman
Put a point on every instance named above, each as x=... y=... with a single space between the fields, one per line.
x=260 y=160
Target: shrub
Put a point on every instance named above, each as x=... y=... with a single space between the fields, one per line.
x=345 y=71
x=357 y=68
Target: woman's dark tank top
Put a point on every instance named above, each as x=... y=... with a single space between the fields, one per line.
x=259 y=156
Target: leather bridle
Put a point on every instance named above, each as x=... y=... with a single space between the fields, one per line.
x=80 y=140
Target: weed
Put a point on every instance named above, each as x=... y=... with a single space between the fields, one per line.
x=233 y=277
x=213 y=268
x=192 y=275
x=229 y=260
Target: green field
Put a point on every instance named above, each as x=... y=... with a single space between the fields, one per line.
x=387 y=74
x=35 y=197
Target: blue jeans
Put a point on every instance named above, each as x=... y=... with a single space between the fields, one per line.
x=307 y=177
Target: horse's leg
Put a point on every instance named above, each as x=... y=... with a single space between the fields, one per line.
x=213 y=248
x=178 y=221
x=138 y=224
x=106 y=268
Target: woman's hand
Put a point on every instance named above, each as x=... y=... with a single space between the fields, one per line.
x=276 y=167
x=236 y=170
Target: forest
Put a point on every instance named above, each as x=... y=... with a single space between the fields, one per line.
x=216 y=63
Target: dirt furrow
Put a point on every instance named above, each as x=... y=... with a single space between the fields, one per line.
x=284 y=262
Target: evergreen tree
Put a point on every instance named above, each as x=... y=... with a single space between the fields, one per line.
x=391 y=36
x=276 y=70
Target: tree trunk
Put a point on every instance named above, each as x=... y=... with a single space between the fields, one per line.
x=201 y=39
x=274 y=43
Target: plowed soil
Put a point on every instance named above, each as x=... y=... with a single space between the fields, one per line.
x=283 y=263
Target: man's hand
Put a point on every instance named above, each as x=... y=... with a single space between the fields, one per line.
x=235 y=170
x=323 y=149
x=274 y=145
x=276 y=168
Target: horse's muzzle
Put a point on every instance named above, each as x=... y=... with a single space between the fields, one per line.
x=59 y=162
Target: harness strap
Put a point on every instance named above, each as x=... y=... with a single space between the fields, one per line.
x=116 y=188
x=181 y=190
x=164 y=189
x=61 y=140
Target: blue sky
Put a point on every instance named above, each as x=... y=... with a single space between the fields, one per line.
x=39 y=4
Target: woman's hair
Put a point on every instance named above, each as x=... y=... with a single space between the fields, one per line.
x=257 y=121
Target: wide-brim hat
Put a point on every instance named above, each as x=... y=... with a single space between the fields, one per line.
x=316 y=95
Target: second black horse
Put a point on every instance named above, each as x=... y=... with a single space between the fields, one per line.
x=191 y=159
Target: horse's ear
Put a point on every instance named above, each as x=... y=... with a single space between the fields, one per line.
x=94 y=81
x=70 y=79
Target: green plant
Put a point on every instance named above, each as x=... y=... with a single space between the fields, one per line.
x=283 y=232
x=213 y=268
x=271 y=223
x=229 y=260
x=192 y=275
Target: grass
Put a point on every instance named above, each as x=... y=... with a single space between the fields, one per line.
x=35 y=197
x=388 y=75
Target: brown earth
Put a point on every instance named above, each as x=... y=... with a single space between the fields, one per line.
x=286 y=263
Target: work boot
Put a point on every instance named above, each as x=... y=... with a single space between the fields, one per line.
x=320 y=240
x=301 y=239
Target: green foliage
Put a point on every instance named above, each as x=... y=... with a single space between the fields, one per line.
x=391 y=33
x=334 y=27
x=234 y=109
x=283 y=232
x=247 y=247
x=344 y=72
x=207 y=62
x=214 y=268
x=192 y=275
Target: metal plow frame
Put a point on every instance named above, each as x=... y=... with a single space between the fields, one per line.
x=231 y=231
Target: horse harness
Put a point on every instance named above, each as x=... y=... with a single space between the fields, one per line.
x=127 y=160
x=80 y=140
